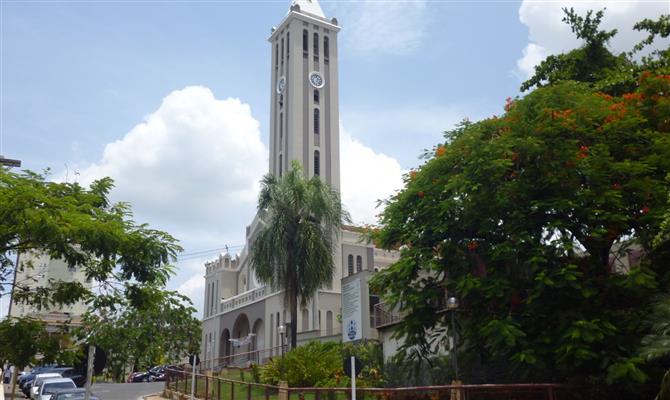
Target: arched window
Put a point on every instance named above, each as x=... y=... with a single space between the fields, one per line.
x=350 y=264
x=280 y=165
x=282 y=50
x=317 y=121
x=305 y=320
x=304 y=41
x=281 y=101
x=317 y=163
x=326 y=48
x=316 y=45
x=281 y=128
x=276 y=55
x=316 y=96
x=288 y=43
x=359 y=263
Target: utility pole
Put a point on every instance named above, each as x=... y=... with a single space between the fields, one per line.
x=89 y=371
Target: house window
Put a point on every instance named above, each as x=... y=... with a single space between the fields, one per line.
x=317 y=163
x=317 y=121
x=304 y=41
x=281 y=128
x=276 y=56
x=280 y=165
x=288 y=42
x=316 y=45
x=350 y=264
x=282 y=50
x=316 y=96
x=359 y=263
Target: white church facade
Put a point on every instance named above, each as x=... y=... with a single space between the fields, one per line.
x=244 y=320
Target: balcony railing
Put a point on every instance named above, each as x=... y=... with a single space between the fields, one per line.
x=242 y=299
x=385 y=316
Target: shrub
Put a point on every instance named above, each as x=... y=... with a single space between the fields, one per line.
x=319 y=364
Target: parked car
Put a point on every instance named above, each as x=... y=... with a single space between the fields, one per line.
x=72 y=394
x=140 y=376
x=51 y=386
x=157 y=373
x=31 y=389
x=75 y=374
x=31 y=375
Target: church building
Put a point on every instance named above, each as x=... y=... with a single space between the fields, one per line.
x=244 y=320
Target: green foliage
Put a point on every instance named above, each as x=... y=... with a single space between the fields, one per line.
x=294 y=249
x=163 y=332
x=80 y=226
x=593 y=63
x=530 y=219
x=404 y=372
x=21 y=339
x=313 y=364
x=319 y=364
x=127 y=264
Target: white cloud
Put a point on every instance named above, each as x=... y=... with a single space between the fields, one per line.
x=384 y=27
x=194 y=287
x=192 y=167
x=533 y=54
x=366 y=177
x=415 y=127
x=547 y=34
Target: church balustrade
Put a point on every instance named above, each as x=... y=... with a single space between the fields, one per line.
x=242 y=299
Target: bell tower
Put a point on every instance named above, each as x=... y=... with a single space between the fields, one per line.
x=304 y=116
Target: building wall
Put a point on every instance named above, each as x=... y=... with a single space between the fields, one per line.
x=35 y=270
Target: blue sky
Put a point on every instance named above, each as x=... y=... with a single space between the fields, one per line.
x=171 y=98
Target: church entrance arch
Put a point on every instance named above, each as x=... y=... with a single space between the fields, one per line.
x=240 y=332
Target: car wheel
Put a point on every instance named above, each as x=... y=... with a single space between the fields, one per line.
x=145 y=379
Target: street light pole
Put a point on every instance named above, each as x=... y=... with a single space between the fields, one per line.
x=281 y=330
x=452 y=306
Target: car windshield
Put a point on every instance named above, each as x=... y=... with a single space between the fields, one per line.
x=51 y=388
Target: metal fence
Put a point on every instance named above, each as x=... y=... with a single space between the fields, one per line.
x=216 y=388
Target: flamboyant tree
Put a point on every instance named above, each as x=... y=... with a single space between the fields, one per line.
x=541 y=223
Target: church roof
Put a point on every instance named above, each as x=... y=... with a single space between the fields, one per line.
x=309 y=7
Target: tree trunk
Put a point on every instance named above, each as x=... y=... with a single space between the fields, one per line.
x=14 y=374
x=293 y=296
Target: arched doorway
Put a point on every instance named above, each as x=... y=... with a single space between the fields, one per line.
x=258 y=341
x=240 y=332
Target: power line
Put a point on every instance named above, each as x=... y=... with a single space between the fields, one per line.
x=206 y=252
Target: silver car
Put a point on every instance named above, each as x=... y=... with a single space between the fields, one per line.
x=39 y=378
x=54 y=385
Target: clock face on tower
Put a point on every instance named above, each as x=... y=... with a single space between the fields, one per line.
x=281 y=85
x=316 y=80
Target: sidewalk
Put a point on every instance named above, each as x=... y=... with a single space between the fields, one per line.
x=7 y=393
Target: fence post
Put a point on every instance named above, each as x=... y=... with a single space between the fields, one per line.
x=248 y=391
x=283 y=391
x=206 y=387
x=232 y=390
x=550 y=393
x=218 y=389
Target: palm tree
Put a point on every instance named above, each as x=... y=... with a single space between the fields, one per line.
x=294 y=251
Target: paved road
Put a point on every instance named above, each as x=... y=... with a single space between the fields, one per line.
x=126 y=391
